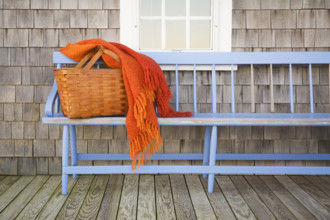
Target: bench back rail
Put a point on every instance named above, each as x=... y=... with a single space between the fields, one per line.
x=215 y=59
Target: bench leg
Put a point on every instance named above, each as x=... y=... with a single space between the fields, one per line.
x=206 y=154
x=73 y=147
x=65 y=159
x=213 y=152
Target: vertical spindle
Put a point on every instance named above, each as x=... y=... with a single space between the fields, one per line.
x=311 y=95
x=195 y=90
x=252 y=90
x=232 y=89
x=271 y=89
x=176 y=88
x=291 y=90
x=214 y=90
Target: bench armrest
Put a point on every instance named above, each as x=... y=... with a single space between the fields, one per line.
x=52 y=101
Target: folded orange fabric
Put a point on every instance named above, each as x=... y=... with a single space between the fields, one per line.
x=144 y=83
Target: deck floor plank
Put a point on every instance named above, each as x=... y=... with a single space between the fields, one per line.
x=304 y=198
x=234 y=198
x=165 y=196
x=321 y=183
x=181 y=198
x=312 y=190
x=55 y=203
x=269 y=198
x=218 y=201
x=7 y=183
x=326 y=178
x=110 y=203
x=76 y=198
x=33 y=208
x=13 y=191
x=92 y=202
x=1 y=178
x=164 y=199
x=201 y=204
x=287 y=198
x=18 y=204
x=146 y=201
x=128 y=201
x=259 y=209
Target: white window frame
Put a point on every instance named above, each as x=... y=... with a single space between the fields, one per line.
x=221 y=30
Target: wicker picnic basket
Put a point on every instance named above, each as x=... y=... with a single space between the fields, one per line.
x=89 y=92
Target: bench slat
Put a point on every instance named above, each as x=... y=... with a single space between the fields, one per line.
x=209 y=119
x=199 y=156
x=225 y=58
x=197 y=169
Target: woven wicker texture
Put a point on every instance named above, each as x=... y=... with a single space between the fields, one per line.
x=88 y=92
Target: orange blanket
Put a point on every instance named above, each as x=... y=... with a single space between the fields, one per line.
x=144 y=82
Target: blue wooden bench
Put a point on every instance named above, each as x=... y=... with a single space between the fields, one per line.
x=211 y=120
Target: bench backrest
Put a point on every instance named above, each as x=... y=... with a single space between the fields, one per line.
x=232 y=58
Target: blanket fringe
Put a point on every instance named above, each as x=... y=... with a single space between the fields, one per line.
x=145 y=145
x=140 y=113
x=149 y=140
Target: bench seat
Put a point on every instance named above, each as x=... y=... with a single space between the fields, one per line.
x=211 y=119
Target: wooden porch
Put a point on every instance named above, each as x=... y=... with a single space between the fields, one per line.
x=165 y=197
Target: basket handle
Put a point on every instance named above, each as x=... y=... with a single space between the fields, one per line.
x=87 y=57
x=100 y=50
x=94 y=59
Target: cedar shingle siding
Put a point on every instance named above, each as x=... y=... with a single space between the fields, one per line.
x=30 y=30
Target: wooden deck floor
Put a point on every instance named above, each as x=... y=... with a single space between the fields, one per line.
x=165 y=197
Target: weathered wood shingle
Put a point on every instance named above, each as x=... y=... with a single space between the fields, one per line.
x=30 y=112
x=313 y=3
x=246 y=4
x=97 y=18
x=7 y=93
x=278 y=4
x=16 y=4
x=16 y=37
x=69 y=35
x=50 y=38
x=69 y=4
x=305 y=19
x=78 y=19
x=61 y=19
x=284 y=19
x=43 y=19
x=87 y=4
x=258 y=19
x=24 y=93
x=24 y=18
x=111 y=4
x=39 y=4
